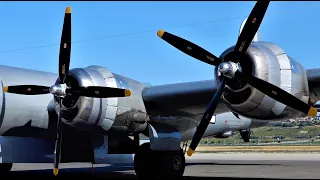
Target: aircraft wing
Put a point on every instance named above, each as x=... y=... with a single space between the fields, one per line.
x=313 y=78
x=192 y=98
x=314 y=85
x=181 y=99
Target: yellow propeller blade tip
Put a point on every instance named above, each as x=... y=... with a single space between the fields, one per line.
x=55 y=171
x=312 y=112
x=160 y=33
x=190 y=152
x=5 y=89
x=68 y=10
x=127 y=92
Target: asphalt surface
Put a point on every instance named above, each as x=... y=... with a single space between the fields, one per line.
x=199 y=166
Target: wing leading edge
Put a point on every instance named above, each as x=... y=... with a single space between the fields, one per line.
x=181 y=99
x=313 y=76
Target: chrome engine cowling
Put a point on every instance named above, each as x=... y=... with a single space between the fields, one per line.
x=270 y=63
x=99 y=115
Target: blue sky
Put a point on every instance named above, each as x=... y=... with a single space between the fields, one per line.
x=294 y=26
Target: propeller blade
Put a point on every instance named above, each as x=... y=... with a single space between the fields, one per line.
x=251 y=26
x=27 y=89
x=189 y=48
x=58 y=142
x=65 y=47
x=99 y=92
x=278 y=94
x=206 y=119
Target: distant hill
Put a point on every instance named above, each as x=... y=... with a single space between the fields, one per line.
x=285 y=131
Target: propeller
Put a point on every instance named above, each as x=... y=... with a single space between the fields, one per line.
x=61 y=90
x=229 y=70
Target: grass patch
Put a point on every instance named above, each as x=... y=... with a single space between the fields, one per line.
x=265 y=134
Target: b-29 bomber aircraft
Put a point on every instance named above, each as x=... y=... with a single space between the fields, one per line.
x=94 y=107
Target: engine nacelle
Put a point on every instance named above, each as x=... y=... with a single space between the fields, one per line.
x=270 y=63
x=224 y=135
x=100 y=115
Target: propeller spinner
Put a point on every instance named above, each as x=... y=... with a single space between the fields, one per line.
x=61 y=90
x=232 y=69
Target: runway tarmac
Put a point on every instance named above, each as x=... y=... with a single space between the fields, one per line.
x=199 y=166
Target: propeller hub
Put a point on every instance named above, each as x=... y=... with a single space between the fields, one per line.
x=228 y=69
x=58 y=90
x=225 y=68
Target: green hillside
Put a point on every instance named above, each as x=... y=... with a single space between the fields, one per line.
x=270 y=134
